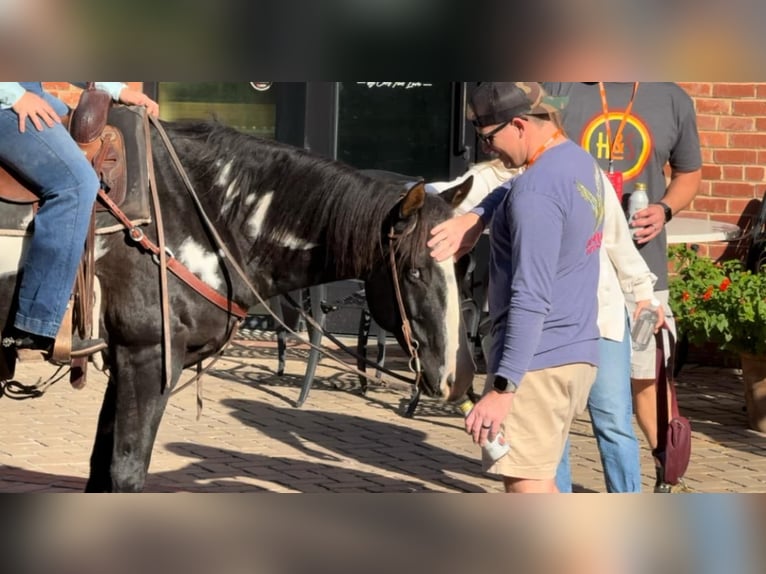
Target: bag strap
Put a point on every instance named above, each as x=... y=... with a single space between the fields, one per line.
x=663 y=384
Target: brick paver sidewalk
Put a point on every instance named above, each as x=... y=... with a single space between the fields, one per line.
x=251 y=437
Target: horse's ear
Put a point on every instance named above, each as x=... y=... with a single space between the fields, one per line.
x=457 y=193
x=412 y=201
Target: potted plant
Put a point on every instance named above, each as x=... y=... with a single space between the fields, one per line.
x=725 y=304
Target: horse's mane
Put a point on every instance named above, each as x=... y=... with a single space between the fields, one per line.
x=314 y=198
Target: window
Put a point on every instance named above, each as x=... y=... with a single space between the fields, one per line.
x=246 y=106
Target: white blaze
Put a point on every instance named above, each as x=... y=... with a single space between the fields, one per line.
x=451 y=327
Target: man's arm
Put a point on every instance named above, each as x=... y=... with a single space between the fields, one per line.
x=458 y=235
x=682 y=189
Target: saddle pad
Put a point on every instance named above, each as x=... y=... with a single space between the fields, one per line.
x=15 y=219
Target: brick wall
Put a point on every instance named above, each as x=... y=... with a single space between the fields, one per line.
x=732 y=123
x=70 y=93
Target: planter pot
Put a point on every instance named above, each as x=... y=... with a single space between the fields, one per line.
x=754 y=377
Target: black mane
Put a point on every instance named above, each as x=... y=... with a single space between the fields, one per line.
x=315 y=199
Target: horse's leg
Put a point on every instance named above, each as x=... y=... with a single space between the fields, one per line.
x=138 y=406
x=100 y=479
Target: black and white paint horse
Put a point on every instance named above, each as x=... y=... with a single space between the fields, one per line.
x=292 y=220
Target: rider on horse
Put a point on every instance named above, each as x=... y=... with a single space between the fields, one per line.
x=38 y=148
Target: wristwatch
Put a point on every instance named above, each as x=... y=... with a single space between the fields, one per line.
x=668 y=212
x=503 y=385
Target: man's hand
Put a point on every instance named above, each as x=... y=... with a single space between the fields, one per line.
x=35 y=108
x=484 y=420
x=648 y=223
x=455 y=237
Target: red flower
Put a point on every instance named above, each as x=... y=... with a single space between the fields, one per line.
x=725 y=284
x=685 y=296
x=708 y=294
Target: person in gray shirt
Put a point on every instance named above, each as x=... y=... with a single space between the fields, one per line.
x=635 y=129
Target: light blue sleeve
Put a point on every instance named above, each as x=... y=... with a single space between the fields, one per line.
x=111 y=88
x=486 y=209
x=536 y=235
x=10 y=92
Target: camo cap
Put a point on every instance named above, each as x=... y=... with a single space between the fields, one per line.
x=493 y=103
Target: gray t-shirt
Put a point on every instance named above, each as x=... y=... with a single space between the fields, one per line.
x=662 y=128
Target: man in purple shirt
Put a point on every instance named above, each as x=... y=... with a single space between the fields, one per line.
x=544 y=266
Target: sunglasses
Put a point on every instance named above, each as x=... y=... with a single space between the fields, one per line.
x=489 y=137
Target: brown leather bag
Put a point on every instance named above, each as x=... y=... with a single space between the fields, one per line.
x=674 y=436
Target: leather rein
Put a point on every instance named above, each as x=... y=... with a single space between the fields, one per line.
x=166 y=261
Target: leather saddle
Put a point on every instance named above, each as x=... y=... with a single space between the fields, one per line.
x=102 y=144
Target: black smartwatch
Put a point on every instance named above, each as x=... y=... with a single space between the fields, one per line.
x=668 y=212
x=503 y=385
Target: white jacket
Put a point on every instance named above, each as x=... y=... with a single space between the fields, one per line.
x=623 y=270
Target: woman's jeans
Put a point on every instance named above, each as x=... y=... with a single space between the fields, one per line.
x=54 y=167
x=611 y=410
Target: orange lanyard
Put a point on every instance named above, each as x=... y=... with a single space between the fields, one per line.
x=543 y=147
x=609 y=142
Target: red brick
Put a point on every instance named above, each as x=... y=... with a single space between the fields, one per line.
x=754 y=173
x=747 y=140
x=707 y=122
x=730 y=189
x=760 y=90
x=760 y=124
x=749 y=108
x=709 y=205
x=738 y=124
x=715 y=139
x=713 y=106
x=734 y=90
x=740 y=206
x=761 y=158
x=733 y=172
x=736 y=156
x=707 y=156
x=715 y=252
x=710 y=171
x=697 y=88
x=57 y=86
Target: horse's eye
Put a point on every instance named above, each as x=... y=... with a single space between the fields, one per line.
x=415 y=273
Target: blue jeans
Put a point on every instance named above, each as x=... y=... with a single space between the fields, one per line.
x=610 y=404
x=54 y=167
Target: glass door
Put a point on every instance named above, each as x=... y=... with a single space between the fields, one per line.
x=411 y=128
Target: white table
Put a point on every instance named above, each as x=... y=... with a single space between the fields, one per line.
x=690 y=230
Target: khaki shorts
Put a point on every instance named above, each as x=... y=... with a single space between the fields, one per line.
x=643 y=364
x=537 y=427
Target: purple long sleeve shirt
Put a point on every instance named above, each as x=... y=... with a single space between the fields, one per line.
x=544 y=264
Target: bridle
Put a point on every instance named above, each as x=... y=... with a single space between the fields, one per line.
x=412 y=344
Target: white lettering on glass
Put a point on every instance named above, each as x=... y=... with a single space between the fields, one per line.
x=404 y=85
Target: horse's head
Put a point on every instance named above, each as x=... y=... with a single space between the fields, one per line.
x=429 y=292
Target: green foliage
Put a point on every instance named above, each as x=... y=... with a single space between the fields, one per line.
x=718 y=302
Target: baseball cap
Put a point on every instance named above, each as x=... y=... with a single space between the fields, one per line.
x=493 y=103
